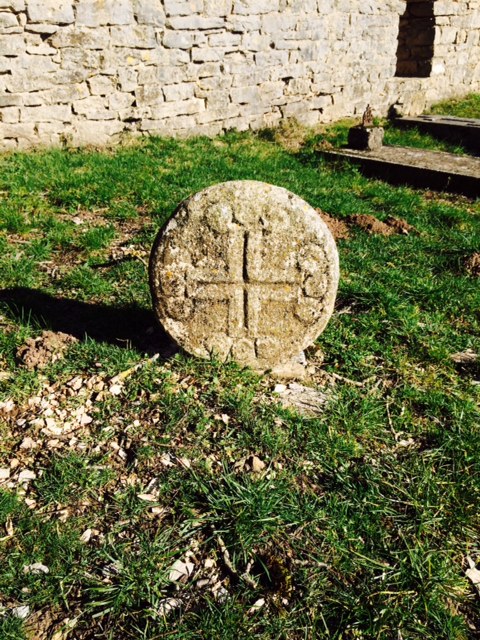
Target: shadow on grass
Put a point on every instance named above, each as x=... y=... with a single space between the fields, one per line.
x=129 y=327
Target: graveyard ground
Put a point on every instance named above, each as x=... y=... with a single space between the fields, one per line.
x=145 y=498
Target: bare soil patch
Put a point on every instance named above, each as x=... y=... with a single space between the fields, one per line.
x=399 y=225
x=38 y=353
x=373 y=225
x=472 y=265
x=338 y=227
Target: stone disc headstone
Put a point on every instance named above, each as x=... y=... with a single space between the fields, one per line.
x=244 y=270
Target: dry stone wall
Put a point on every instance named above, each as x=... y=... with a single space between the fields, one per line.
x=89 y=71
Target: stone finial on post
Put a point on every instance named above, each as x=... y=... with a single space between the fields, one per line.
x=366 y=136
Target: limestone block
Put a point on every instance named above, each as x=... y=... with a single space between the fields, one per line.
x=446 y=35
x=42 y=28
x=97 y=133
x=252 y=7
x=13 y=5
x=134 y=114
x=298 y=86
x=177 y=39
x=195 y=22
x=293 y=109
x=181 y=108
x=225 y=40
x=174 y=57
x=253 y=109
x=6 y=64
x=182 y=7
x=272 y=93
x=40 y=50
x=271 y=58
x=80 y=63
x=50 y=11
x=205 y=54
x=101 y=85
x=9 y=114
x=8 y=21
x=241 y=123
x=205 y=85
x=128 y=79
x=139 y=36
x=95 y=13
x=23 y=132
x=80 y=38
x=163 y=73
x=33 y=98
x=149 y=95
x=9 y=144
x=168 y=126
x=204 y=70
x=216 y=99
x=273 y=23
x=244 y=23
x=243 y=95
x=228 y=111
x=10 y=99
x=62 y=94
x=256 y=41
x=149 y=12
x=118 y=101
x=287 y=45
x=94 y=108
x=73 y=76
x=51 y=134
x=63 y=113
x=182 y=91
x=11 y=45
x=365 y=138
x=28 y=81
x=295 y=70
x=217 y=7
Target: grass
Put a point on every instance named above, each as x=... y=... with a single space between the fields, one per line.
x=360 y=524
x=468 y=107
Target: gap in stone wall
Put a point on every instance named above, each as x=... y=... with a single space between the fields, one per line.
x=416 y=35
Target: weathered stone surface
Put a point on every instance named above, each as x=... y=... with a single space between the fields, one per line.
x=149 y=12
x=365 y=138
x=252 y=62
x=418 y=167
x=244 y=270
x=50 y=11
x=93 y=13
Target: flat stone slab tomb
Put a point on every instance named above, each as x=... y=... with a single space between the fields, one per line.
x=417 y=167
x=461 y=130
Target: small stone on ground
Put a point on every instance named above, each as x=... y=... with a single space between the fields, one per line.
x=472 y=265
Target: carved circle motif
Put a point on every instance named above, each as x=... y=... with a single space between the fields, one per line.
x=244 y=270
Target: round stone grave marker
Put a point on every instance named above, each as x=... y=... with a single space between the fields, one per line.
x=244 y=270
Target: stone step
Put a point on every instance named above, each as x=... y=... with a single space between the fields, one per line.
x=465 y=131
x=417 y=167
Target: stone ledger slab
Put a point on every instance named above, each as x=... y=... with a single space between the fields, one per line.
x=244 y=270
x=417 y=167
x=461 y=130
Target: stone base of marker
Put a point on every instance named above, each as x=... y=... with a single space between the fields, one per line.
x=295 y=369
x=365 y=138
x=245 y=271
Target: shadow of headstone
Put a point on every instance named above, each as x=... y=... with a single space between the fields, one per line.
x=128 y=327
